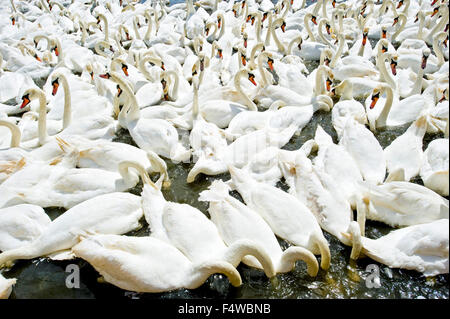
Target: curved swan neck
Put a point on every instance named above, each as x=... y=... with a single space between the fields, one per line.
x=320 y=32
x=136 y=30
x=338 y=53
x=130 y=112
x=105 y=21
x=294 y=253
x=402 y=19
x=280 y=46
x=124 y=167
x=440 y=25
x=381 y=120
x=269 y=28
x=42 y=122
x=238 y=250
x=149 y=26
x=222 y=27
x=308 y=18
x=67 y=117
x=437 y=48
x=383 y=71
x=200 y=272
x=15 y=133
x=237 y=84
x=292 y=43
x=261 y=58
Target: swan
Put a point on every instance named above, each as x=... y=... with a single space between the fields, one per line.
x=366 y=151
x=394 y=112
x=208 y=143
x=236 y=221
x=6 y=287
x=334 y=161
x=434 y=171
x=405 y=152
x=21 y=224
x=288 y=218
x=146 y=264
x=400 y=203
x=114 y=213
x=190 y=231
x=221 y=106
x=319 y=193
x=268 y=93
x=346 y=107
x=423 y=248
x=149 y=134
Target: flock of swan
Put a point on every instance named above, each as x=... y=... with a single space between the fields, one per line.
x=223 y=85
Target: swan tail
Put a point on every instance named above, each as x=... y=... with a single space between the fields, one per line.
x=294 y=253
x=217 y=192
x=324 y=252
x=244 y=247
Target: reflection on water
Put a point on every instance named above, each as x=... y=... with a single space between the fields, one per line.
x=41 y=278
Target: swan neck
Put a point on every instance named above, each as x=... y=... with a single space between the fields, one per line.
x=15 y=133
x=237 y=83
x=381 y=121
x=294 y=253
x=338 y=53
x=200 y=273
x=308 y=28
x=67 y=117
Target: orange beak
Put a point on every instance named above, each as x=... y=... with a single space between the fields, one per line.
x=162 y=66
x=364 y=40
x=166 y=97
x=399 y=4
x=264 y=17
x=219 y=23
x=395 y=21
x=244 y=61
x=119 y=90
x=314 y=20
x=374 y=100
x=125 y=69
x=328 y=82
x=394 y=68
x=251 y=78
x=384 y=49
x=206 y=32
x=434 y=1
x=220 y=53
x=253 y=20
x=37 y=58
x=424 y=62
x=92 y=75
x=270 y=63
x=328 y=28
x=333 y=3
x=25 y=101
x=443 y=97
x=56 y=51
x=283 y=27
x=245 y=43
x=13 y=21
x=55 y=87
x=436 y=10
x=383 y=34
x=105 y=76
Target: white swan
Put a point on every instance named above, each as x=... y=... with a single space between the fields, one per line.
x=115 y=213
x=434 y=171
x=405 y=152
x=6 y=287
x=20 y=225
x=146 y=264
x=236 y=221
x=288 y=218
x=423 y=248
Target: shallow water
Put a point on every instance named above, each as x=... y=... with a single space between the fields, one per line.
x=42 y=278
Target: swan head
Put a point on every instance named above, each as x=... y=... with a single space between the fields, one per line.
x=425 y=54
x=393 y=64
x=375 y=96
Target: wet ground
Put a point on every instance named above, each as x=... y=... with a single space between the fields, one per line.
x=42 y=278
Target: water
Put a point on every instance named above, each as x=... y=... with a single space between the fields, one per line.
x=42 y=278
